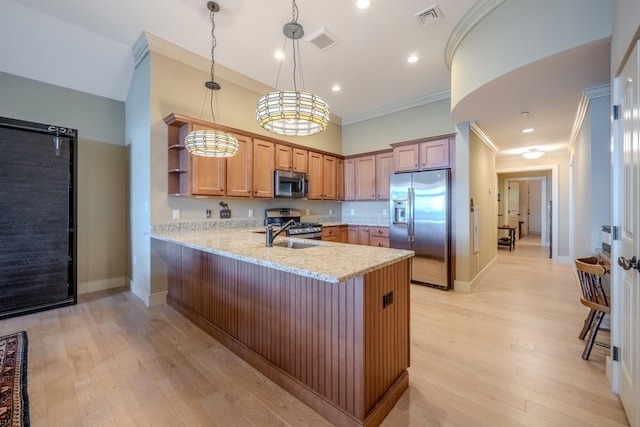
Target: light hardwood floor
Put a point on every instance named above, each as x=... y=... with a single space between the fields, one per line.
x=505 y=355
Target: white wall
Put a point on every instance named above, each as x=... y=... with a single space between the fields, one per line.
x=591 y=177
x=521 y=32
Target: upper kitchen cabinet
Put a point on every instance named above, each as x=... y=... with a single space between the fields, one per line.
x=284 y=161
x=300 y=160
x=340 y=179
x=263 y=167
x=365 y=177
x=322 y=176
x=349 y=179
x=240 y=169
x=428 y=153
x=384 y=168
x=190 y=175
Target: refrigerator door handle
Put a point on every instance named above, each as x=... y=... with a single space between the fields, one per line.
x=410 y=202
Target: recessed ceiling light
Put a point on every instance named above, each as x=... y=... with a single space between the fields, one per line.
x=336 y=88
x=527 y=130
x=412 y=59
x=279 y=54
x=524 y=113
x=363 y=4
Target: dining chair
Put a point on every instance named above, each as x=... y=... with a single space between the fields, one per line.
x=590 y=273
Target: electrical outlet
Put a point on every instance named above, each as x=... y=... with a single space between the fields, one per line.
x=207 y=213
x=250 y=213
x=352 y=212
x=384 y=212
x=176 y=214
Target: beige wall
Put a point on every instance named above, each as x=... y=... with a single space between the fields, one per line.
x=102 y=175
x=418 y=122
x=236 y=108
x=482 y=189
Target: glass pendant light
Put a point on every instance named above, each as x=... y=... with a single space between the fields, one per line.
x=293 y=112
x=211 y=142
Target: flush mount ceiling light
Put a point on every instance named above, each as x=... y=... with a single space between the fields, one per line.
x=527 y=130
x=211 y=142
x=532 y=154
x=293 y=112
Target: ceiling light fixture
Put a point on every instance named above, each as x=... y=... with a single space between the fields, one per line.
x=211 y=142
x=293 y=112
x=363 y=4
x=532 y=154
x=527 y=130
x=412 y=59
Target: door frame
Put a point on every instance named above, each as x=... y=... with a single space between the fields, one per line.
x=555 y=192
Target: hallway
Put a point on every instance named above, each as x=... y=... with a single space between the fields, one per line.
x=507 y=354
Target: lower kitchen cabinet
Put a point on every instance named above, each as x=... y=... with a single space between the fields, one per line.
x=331 y=233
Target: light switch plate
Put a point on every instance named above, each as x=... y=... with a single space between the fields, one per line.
x=176 y=214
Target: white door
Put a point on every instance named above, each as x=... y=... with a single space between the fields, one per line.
x=513 y=203
x=625 y=292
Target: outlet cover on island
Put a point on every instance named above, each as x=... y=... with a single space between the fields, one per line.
x=176 y=214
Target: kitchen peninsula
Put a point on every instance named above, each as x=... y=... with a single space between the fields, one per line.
x=328 y=322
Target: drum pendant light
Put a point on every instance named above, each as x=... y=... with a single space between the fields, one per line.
x=293 y=112
x=211 y=142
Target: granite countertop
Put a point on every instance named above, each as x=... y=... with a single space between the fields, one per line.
x=328 y=261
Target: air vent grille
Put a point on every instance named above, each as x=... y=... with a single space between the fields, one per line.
x=322 y=39
x=429 y=15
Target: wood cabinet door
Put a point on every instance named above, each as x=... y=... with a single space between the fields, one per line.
x=263 y=162
x=208 y=175
x=406 y=158
x=329 y=177
x=349 y=180
x=344 y=234
x=315 y=176
x=434 y=154
x=300 y=160
x=240 y=169
x=284 y=160
x=352 y=234
x=363 y=235
x=365 y=177
x=339 y=179
x=384 y=168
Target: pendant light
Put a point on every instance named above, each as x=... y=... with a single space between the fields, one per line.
x=212 y=142
x=293 y=112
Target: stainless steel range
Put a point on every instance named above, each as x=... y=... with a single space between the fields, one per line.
x=306 y=230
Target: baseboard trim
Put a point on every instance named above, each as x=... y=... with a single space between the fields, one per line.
x=468 y=287
x=148 y=299
x=101 y=285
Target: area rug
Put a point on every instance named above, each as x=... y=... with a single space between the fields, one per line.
x=14 y=400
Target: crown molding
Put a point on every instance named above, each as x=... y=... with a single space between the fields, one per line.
x=581 y=112
x=476 y=14
x=394 y=108
x=484 y=137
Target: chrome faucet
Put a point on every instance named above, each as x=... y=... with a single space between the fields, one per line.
x=272 y=235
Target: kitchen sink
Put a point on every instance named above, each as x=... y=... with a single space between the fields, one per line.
x=294 y=245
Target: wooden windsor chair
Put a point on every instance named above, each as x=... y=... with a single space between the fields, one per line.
x=590 y=273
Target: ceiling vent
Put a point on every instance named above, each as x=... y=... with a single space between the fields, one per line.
x=322 y=39
x=429 y=15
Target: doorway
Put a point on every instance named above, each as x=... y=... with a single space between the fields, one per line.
x=547 y=176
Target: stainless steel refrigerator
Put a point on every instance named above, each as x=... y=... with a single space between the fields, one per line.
x=420 y=220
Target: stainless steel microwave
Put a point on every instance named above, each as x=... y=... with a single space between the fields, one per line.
x=290 y=184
